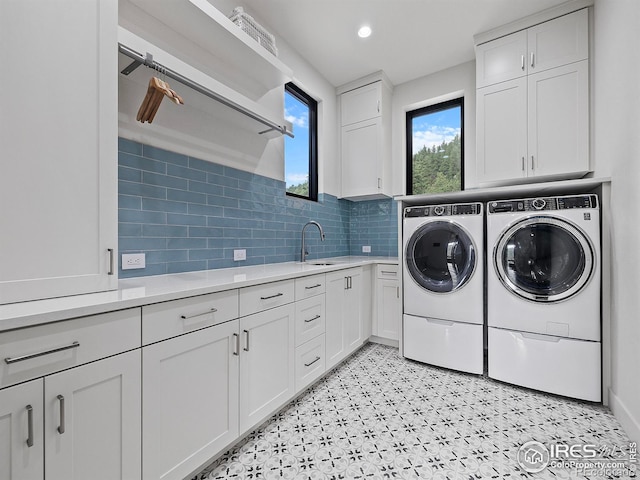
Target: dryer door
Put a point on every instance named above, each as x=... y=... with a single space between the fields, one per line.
x=544 y=259
x=440 y=256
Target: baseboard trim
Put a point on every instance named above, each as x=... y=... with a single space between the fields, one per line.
x=384 y=341
x=629 y=423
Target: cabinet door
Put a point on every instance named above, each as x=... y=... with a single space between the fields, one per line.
x=558 y=42
x=361 y=161
x=502 y=131
x=190 y=400
x=502 y=59
x=353 y=310
x=363 y=103
x=21 y=435
x=388 y=308
x=267 y=368
x=58 y=131
x=92 y=420
x=559 y=121
x=335 y=341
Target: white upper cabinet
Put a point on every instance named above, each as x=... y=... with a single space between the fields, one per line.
x=58 y=131
x=533 y=103
x=547 y=45
x=366 y=141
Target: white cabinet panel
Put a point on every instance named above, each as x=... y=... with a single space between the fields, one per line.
x=267 y=372
x=388 y=307
x=502 y=59
x=310 y=362
x=190 y=400
x=559 y=120
x=309 y=286
x=310 y=318
x=262 y=297
x=21 y=421
x=502 y=131
x=58 y=131
x=362 y=159
x=92 y=420
x=361 y=104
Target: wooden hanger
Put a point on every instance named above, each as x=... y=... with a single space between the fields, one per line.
x=156 y=91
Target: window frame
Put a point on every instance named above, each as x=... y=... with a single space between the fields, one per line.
x=434 y=108
x=312 y=104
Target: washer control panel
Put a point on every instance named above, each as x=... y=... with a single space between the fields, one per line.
x=443 y=210
x=543 y=203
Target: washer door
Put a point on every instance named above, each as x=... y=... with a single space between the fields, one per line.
x=544 y=259
x=440 y=256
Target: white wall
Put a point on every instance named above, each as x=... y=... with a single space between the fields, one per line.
x=616 y=113
x=445 y=85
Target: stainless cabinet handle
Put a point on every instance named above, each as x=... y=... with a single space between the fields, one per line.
x=532 y=58
x=246 y=344
x=522 y=62
x=111 y=261
x=187 y=317
x=313 y=286
x=29 y=425
x=272 y=296
x=10 y=360
x=378 y=106
x=387 y=272
x=236 y=350
x=532 y=167
x=312 y=362
x=523 y=164
x=379 y=182
x=312 y=319
x=350 y=283
x=61 y=427
x=397 y=292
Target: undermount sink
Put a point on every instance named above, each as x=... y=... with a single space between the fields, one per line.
x=320 y=263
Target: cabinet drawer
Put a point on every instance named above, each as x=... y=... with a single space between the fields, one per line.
x=263 y=297
x=36 y=351
x=310 y=362
x=309 y=286
x=310 y=318
x=170 y=319
x=388 y=271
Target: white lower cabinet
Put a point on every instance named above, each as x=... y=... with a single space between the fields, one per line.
x=190 y=400
x=387 y=298
x=343 y=314
x=87 y=426
x=267 y=377
x=310 y=362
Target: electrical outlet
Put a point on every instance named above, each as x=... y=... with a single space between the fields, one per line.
x=366 y=249
x=133 y=260
x=239 y=255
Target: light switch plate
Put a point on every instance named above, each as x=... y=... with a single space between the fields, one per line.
x=131 y=261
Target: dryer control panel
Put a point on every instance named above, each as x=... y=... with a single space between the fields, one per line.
x=543 y=203
x=444 y=210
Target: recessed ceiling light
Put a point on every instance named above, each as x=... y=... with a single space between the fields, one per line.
x=364 y=31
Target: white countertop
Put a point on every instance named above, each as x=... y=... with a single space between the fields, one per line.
x=135 y=292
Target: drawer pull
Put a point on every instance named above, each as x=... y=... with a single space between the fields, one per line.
x=312 y=319
x=313 y=286
x=61 y=427
x=246 y=344
x=10 y=360
x=387 y=272
x=187 y=317
x=29 y=426
x=272 y=296
x=312 y=362
x=236 y=350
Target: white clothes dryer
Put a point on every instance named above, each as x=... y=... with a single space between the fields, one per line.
x=444 y=285
x=543 y=294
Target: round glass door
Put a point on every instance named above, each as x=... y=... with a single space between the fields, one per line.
x=440 y=256
x=544 y=259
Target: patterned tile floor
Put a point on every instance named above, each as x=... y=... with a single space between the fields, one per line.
x=380 y=416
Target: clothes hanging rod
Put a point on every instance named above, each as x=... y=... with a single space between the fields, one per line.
x=147 y=61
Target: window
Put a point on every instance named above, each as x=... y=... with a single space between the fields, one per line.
x=301 y=152
x=435 y=148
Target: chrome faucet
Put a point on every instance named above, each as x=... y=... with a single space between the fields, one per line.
x=303 y=251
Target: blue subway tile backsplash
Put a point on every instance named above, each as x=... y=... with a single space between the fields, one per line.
x=188 y=214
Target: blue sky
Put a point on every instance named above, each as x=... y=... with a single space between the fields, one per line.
x=435 y=128
x=296 y=150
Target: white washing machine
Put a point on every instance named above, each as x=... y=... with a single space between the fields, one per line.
x=543 y=294
x=444 y=285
